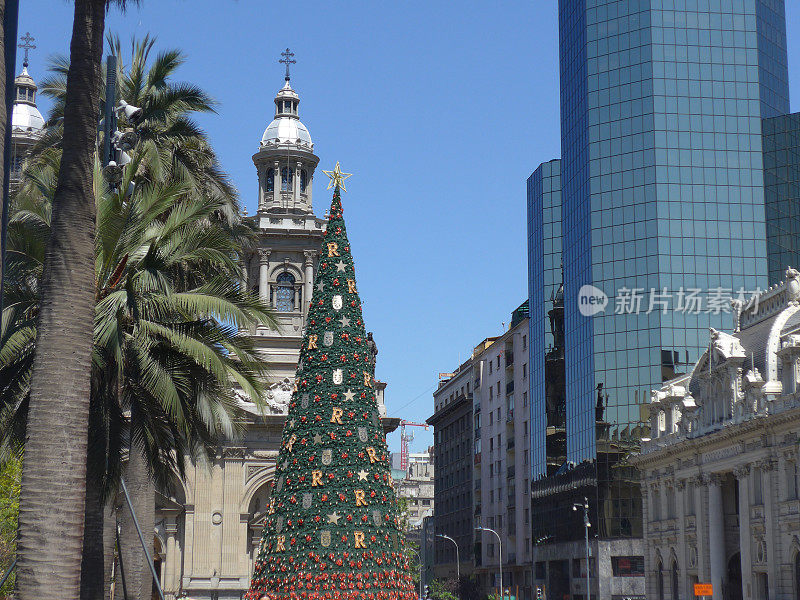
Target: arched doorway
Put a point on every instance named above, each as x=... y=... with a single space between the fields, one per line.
x=257 y=511
x=733 y=586
x=797 y=575
x=675 y=580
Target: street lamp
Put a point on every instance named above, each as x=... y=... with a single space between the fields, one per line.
x=419 y=560
x=500 y=542
x=458 y=561
x=586 y=525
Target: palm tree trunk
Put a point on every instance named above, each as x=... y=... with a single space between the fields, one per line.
x=92 y=563
x=109 y=547
x=53 y=493
x=138 y=578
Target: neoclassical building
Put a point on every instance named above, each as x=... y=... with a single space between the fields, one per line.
x=208 y=532
x=720 y=473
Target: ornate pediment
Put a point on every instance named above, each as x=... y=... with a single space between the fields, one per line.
x=276 y=400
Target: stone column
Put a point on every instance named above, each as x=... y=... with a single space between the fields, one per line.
x=171 y=558
x=263 y=274
x=770 y=502
x=309 y=187
x=296 y=189
x=245 y=271
x=276 y=184
x=742 y=476
x=701 y=526
x=716 y=534
x=308 y=281
x=680 y=492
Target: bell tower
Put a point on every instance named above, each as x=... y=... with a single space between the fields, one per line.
x=285 y=160
x=282 y=268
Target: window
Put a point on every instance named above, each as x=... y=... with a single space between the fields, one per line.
x=499 y=393
x=284 y=297
x=498 y=362
x=541 y=570
x=490 y=549
x=491 y=393
x=524 y=342
x=270 y=183
x=628 y=566
x=524 y=399
x=674 y=579
x=756 y=477
x=791 y=480
x=303 y=181
x=287 y=176
x=490 y=367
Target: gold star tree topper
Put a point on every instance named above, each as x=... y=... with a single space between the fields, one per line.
x=337 y=177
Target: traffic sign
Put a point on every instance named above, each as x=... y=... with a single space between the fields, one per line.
x=703 y=589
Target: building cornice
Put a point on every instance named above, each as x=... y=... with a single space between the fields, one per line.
x=725 y=436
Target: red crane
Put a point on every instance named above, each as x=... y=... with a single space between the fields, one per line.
x=405 y=439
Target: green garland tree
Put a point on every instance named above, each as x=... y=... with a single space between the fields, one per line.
x=332 y=530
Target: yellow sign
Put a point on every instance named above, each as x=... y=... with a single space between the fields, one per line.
x=703 y=589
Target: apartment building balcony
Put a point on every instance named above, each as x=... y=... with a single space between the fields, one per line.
x=509 y=359
x=510 y=387
x=510 y=472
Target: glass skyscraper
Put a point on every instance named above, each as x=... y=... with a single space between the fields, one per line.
x=781 y=143
x=544 y=280
x=662 y=195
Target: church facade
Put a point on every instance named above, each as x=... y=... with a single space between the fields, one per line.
x=207 y=533
x=721 y=472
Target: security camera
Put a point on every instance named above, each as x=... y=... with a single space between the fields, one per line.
x=132 y=113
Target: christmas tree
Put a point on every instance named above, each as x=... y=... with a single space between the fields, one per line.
x=332 y=529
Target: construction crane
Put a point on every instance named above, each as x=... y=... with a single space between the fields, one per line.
x=405 y=439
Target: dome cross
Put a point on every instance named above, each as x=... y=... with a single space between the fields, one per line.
x=286 y=60
x=27 y=44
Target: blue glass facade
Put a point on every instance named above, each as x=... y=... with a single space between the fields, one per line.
x=663 y=194
x=544 y=279
x=781 y=141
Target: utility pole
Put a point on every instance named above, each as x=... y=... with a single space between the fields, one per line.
x=586 y=525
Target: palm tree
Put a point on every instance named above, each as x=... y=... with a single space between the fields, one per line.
x=174 y=146
x=54 y=468
x=166 y=352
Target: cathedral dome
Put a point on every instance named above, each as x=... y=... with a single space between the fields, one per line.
x=286 y=128
x=26 y=118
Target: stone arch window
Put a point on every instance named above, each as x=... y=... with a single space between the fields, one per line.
x=284 y=292
x=674 y=580
x=287 y=179
x=797 y=575
x=270 y=183
x=303 y=181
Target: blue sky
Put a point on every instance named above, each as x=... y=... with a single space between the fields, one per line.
x=440 y=109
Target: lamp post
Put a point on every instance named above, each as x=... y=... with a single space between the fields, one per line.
x=586 y=525
x=500 y=542
x=458 y=561
x=419 y=560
